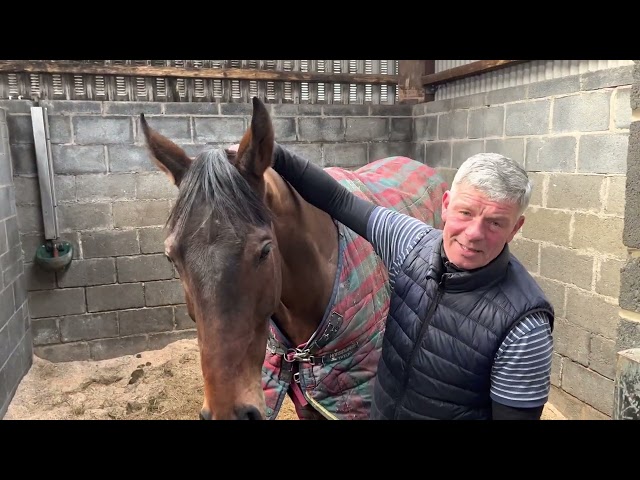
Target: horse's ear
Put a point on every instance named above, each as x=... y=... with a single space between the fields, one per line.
x=258 y=155
x=168 y=156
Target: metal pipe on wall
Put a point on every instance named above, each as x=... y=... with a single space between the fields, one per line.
x=44 y=164
x=53 y=254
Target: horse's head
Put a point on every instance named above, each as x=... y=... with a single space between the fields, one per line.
x=221 y=240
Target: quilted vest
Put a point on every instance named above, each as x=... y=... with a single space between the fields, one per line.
x=443 y=332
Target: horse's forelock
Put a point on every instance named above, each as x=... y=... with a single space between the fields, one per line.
x=214 y=190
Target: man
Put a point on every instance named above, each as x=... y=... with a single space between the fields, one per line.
x=468 y=334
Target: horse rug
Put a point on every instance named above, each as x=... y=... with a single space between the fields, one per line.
x=332 y=374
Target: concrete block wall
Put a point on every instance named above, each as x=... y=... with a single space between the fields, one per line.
x=572 y=136
x=16 y=351
x=120 y=295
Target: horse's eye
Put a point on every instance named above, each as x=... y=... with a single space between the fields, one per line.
x=265 y=251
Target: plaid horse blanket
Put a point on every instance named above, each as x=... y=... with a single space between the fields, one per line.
x=332 y=374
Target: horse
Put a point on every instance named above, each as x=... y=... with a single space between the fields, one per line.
x=286 y=300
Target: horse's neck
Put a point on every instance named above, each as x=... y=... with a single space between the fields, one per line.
x=308 y=245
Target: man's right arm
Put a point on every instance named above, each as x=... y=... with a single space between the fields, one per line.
x=323 y=191
x=391 y=234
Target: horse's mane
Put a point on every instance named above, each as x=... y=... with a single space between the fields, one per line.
x=214 y=184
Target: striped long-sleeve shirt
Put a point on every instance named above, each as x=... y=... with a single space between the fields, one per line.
x=521 y=372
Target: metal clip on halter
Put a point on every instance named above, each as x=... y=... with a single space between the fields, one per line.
x=296 y=355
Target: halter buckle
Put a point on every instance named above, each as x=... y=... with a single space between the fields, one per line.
x=296 y=355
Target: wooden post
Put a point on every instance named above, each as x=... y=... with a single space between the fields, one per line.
x=411 y=73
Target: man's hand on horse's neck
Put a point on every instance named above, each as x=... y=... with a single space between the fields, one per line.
x=232 y=151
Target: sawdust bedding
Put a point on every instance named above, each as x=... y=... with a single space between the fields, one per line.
x=161 y=384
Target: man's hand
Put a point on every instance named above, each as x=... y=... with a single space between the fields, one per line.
x=232 y=151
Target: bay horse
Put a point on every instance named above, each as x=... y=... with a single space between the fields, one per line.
x=286 y=300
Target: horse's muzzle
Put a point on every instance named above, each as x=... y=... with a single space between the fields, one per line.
x=243 y=412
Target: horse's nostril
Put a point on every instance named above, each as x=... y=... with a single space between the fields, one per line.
x=248 y=412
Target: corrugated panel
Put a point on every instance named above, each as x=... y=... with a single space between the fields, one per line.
x=521 y=74
x=442 y=65
x=171 y=89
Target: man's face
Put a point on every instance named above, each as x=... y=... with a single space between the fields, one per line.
x=476 y=229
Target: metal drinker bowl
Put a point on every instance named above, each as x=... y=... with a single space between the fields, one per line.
x=54 y=256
